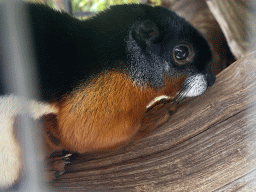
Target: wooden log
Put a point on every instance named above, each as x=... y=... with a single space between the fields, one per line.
x=209 y=144
x=237 y=21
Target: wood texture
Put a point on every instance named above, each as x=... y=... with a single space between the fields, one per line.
x=237 y=21
x=208 y=145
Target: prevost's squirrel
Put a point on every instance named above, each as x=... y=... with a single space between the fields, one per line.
x=101 y=73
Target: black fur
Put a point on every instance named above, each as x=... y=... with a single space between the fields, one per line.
x=135 y=39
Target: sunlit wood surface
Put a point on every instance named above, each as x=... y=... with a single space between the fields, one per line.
x=233 y=17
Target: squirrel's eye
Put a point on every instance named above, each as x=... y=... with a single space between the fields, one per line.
x=182 y=54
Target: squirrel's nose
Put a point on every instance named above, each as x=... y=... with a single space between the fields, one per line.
x=210 y=79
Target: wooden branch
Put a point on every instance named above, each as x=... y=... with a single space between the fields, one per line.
x=233 y=17
x=208 y=144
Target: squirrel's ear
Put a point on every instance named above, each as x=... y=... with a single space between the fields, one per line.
x=145 y=33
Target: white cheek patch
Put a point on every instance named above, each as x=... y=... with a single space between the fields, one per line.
x=195 y=85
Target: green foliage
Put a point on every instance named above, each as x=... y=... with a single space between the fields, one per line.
x=98 y=5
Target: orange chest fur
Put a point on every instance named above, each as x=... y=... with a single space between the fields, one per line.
x=106 y=112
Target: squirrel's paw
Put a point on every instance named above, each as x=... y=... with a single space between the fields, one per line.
x=55 y=167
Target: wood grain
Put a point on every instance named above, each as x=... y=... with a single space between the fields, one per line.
x=233 y=17
x=208 y=145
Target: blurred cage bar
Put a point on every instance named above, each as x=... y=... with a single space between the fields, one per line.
x=19 y=77
x=17 y=69
x=64 y=5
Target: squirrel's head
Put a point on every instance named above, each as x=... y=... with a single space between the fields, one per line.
x=161 y=44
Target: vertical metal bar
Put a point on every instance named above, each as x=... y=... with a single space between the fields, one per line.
x=20 y=74
x=64 y=5
x=68 y=7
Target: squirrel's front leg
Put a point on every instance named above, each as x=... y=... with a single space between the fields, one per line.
x=157 y=113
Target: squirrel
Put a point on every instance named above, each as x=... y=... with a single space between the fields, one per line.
x=102 y=73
